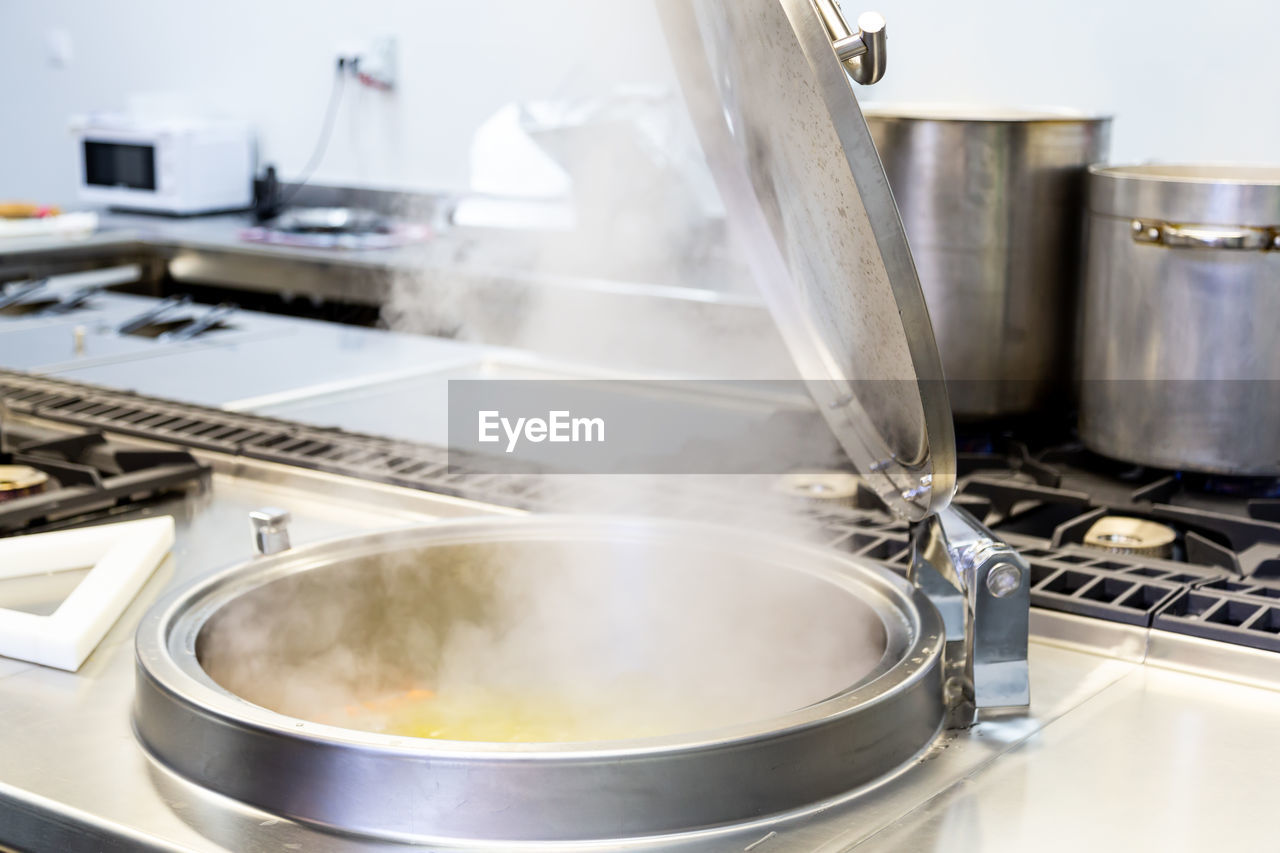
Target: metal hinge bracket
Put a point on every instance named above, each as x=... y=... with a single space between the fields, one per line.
x=982 y=589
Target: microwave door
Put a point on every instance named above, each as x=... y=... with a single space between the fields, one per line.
x=119 y=164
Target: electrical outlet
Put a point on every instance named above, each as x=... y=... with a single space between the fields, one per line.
x=377 y=66
x=373 y=63
x=347 y=55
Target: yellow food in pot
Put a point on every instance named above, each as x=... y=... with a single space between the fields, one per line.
x=494 y=716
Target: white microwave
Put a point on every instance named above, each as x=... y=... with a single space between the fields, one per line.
x=175 y=166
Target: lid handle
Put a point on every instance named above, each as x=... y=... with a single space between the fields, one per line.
x=863 y=52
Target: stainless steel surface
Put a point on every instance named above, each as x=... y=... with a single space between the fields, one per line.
x=69 y=342
x=457 y=279
x=792 y=155
x=993 y=201
x=246 y=360
x=72 y=776
x=1205 y=658
x=782 y=732
x=1204 y=236
x=539 y=313
x=272 y=357
x=410 y=408
x=270 y=528
x=982 y=589
x=1180 y=359
x=1129 y=755
x=330 y=220
x=89 y=336
x=467 y=256
x=40 y=257
x=1188 y=193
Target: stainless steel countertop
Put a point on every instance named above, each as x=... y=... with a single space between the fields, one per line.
x=258 y=357
x=487 y=250
x=325 y=374
x=221 y=232
x=1121 y=750
x=305 y=359
x=489 y=287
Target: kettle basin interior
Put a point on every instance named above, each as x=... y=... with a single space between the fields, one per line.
x=535 y=640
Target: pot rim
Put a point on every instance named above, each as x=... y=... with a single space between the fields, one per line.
x=1233 y=195
x=978 y=113
x=1214 y=172
x=166 y=637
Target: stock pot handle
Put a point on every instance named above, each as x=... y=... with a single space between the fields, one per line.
x=863 y=52
x=1241 y=238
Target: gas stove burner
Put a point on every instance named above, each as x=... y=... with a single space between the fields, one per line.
x=1118 y=534
x=1238 y=487
x=55 y=477
x=838 y=487
x=19 y=481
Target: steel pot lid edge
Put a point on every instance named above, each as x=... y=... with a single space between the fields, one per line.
x=812 y=210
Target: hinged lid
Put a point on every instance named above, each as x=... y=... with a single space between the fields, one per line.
x=811 y=204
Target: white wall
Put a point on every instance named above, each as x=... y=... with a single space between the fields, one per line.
x=272 y=61
x=1185 y=79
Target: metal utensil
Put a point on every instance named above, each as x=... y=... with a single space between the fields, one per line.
x=204 y=323
x=153 y=315
x=16 y=293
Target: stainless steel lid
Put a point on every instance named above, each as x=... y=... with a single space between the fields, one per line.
x=804 y=188
x=1205 y=193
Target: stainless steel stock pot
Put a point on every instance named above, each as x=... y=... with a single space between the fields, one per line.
x=1180 y=360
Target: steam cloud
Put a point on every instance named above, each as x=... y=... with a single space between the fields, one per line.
x=620 y=639
x=630 y=639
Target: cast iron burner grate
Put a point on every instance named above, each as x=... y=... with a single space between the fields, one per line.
x=85 y=474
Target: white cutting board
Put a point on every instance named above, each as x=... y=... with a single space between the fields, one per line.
x=122 y=555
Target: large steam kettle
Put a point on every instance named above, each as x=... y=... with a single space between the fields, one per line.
x=768 y=84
